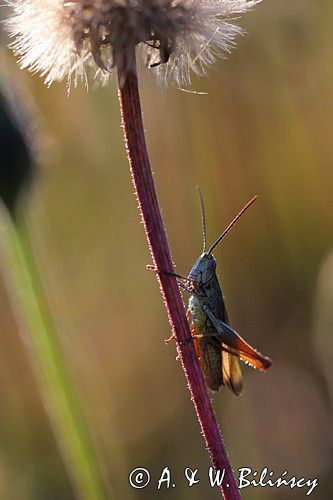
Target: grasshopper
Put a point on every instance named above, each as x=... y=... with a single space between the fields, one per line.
x=218 y=346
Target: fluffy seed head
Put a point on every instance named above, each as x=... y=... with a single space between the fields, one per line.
x=62 y=39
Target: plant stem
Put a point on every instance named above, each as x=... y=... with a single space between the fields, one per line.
x=157 y=240
x=48 y=360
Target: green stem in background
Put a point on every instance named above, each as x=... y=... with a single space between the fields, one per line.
x=48 y=360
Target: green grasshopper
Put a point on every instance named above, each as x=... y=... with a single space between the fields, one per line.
x=217 y=345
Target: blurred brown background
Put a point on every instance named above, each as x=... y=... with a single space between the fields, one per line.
x=264 y=127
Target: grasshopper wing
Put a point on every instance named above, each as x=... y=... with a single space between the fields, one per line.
x=218 y=366
x=208 y=351
x=232 y=373
x=211 y=362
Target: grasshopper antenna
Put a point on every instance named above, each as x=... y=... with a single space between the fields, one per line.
x=232 y=223
x=203 y=219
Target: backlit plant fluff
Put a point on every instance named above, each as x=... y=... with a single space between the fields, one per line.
x=61 y=39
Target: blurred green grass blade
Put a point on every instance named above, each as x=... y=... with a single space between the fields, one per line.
x=48 y=360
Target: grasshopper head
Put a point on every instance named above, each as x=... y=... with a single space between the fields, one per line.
x=204 y=269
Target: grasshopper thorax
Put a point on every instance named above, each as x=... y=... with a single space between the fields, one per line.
x=204 y=269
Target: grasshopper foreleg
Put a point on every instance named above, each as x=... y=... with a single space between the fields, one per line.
x=187 y=286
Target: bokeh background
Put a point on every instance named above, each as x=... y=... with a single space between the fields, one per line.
x=265 y=127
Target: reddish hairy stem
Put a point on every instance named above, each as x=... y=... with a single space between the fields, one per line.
x=158 y=244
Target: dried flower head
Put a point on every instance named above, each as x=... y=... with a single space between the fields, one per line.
x=62 y=39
